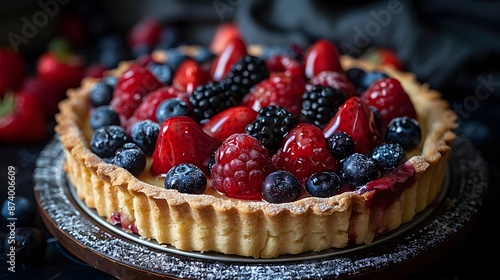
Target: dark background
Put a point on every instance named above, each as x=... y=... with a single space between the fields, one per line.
x=452 y=45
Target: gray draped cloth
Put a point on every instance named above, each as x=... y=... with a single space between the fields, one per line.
x=454 y=45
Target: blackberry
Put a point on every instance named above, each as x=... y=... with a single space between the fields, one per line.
x=172 y=107
x=209 y=99
x=186 y=178
x=271 y=126
x=246 y=73
x=107 y=139
x=320 y=103
x=404 y=131
x=358 y=169
x=101 y=93
x=144 y=134
x=130 y=157
x=323 y=184
x=103 y=115
x=341 y=144
x=281 y=186
x=388 y=156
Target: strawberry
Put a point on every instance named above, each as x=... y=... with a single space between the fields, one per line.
x=12 y=71
x=286 y=64
x=384 y=57
x=189 y=76
x=323 y=55
x=357 y=120
x=47 y=95
x=22 y=121
x=228 y=122
x=223 y=35
x=335 y=80
x=64 y=70
x=304 y=152
x=147 y=109
x=391 y=100
x=181 y=140
x=278 y=90
x=130 y=88
x=241 y=165
x=232 y=53
x=146 y=32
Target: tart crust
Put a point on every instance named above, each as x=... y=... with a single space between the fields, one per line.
x=211 y=222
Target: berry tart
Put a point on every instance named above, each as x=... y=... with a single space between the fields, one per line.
x=255 y=151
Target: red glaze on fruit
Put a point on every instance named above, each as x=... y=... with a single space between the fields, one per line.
x=279 y=90
x=23 y=121
x=181 y=140
x=132 y=86
x=335 y=80
x=389 y=97
x=65 y=71
x=12 y=71
x=147 y=109
x=189 y=76
x=358 y=121
x=228 y=122
x=322 y=56
x=232 y=53
x=304 y=151
x=285 y=64
x=241 y=165
x=224 y=33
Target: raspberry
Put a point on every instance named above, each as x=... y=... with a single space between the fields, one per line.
x=241 y=165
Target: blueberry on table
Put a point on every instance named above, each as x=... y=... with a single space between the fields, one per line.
x=358 y=169
x=106 y=140
x=404 y=131
x=186 y=178
x=103 y=115
x=130 y=157
x=323 y=184
x=144 y=134
x=388 y=156
x=281 y=186
x=24 y=211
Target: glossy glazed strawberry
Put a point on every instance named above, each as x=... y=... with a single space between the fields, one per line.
x=189 y=76
x=391 y=100
x=304 y=151
x=335 y=80
x=278 y=90
x=181 y=140
x=147 y=109
x=358 y=121
x=233 y=52
x=228 y=122
x=224 y=33
x=285 y=64
x=22 y=121
x=241 y=165
x=322 y=56
x=132 y=86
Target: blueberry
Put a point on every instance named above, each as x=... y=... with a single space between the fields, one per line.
x=130 y=157
x=203 y=55
x=341 y=144
x=144 y=134
x=324 y=184
x=186 y=178
x=281 y=186
x=110 y=80
x=175 y=58
x=101 y=93
x=107 y=139
x=358 y=169
x=103 y=115
x=162 y=71
x=23 y=210
x=404 y=131
x=30 y=244
x=172 y=107
x=388 y=156
x=369 y=78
